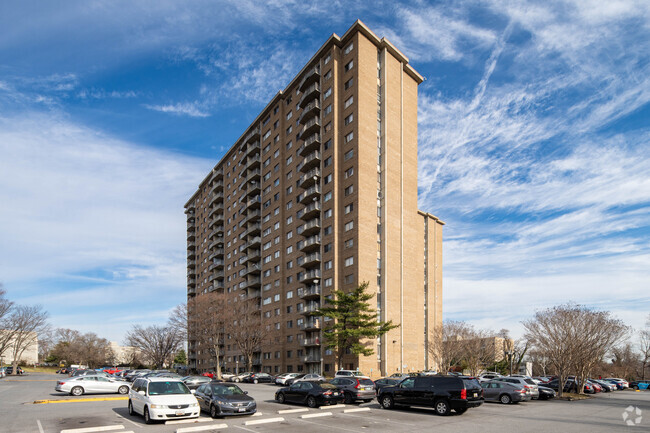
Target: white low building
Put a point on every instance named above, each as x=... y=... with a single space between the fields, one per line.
x=29 y=355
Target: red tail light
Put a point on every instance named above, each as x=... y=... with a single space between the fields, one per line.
x=358 y=384
x=463 y=394
x=327 y=393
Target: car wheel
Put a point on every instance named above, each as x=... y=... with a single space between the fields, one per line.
x=214 y=411
x=442 y=407
x=131 y=411
x=387 y=402
x=311 y=401
x=147 y=417
x=505 y=399
x=123 y=389
x=280 y=398
x=77 y=390
x=348 y=398
x=237 y=380
x=256 y=381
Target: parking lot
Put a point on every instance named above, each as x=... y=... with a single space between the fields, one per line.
x=89 y=413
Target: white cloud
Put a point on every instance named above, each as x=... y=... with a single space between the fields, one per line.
x=101 y=220
x=182 y=108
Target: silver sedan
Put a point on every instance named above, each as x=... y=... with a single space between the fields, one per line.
x=92 y=385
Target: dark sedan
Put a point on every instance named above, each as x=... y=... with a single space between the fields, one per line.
x=222 y=399
x=193 y=382
x=546 y=393
x=258 y=378
x=311 y=393
x=504 y=392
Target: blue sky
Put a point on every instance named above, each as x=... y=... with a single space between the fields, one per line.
x=534 y=124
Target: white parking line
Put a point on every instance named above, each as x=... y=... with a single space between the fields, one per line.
x=40 y=427
x=316 y=415
x=126 y=419
x=257 y=414
x=264 y=421
x=361 y=409
x=334 y=406
x=189 y=421
x=201 y=428
x=293 y=410
x=94 y=429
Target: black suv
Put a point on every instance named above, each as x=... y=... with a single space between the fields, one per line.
x=443 y=393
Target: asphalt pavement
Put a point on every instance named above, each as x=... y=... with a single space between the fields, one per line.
x=59 y=413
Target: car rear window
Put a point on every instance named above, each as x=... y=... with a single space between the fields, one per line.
x=366 y=382
x=529 y=381
x=471 y=383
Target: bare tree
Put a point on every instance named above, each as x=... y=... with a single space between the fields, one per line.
x=73 y=347
x=479 y=350
x=574 y=338
x=27 y=322
x=244 y=326
x=541 y=362
x=157 y=344
x=644 y=346
x=6 y=328
x=447 y=344
x=207 y=323
x=178 y=319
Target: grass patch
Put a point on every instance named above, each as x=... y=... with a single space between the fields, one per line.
x=40 y=369
x=570 y=396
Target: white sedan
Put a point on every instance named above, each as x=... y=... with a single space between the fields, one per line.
x=92 y=385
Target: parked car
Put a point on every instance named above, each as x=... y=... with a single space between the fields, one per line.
x=621 y=381
x=258 y=378
x=79 y=373
x=3 y=372
x=385 y=381
x=311 y=393
x=224 y=399
x=355 y=388
x=639 y=384
x=606 y=386
x=193 y=382
x=292 y=379
x=489 y=375
x=89 y=384
x=504 y=392
x=160 y=399
x=349 y=373
x=443 y=393
x=596 y=386
x=311 y=376
x=168 y=375
x=570 y=385
x=618 y=385
x=284 y=377
x=524 y=381
x=239 y=377
x=546 y=393
x=10 y=370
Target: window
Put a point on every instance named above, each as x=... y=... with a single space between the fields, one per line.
x=276 y=297
x=328 y=230
x=290 y=294
x=267 y=162
x=267 y=176
x=289 y=175
x=276 y=255
x=349 y=226
x=289 y=235
x=328 y=75
x=327 y=162
x=276 y=153
x=276 y=124
x=276 y=109
x=267 y=148
x=328 y=265
x=276 y=168
x=349 y=208
x=327 y=179
x=289 y=129
x=349 y=66
x=349 y=261
x=349 y=83
x=327 y=93
x=348 y=48
x=267 y=259
x=349 y=119
x=267 y=204
x=290 y=160
x=327 y=59
x=327 y=248
x=289 y=220
x=348 y=279
x=289 y=115
x=349 y=101
x=289 y=190
x=327 y=110
x=328 y=283
x=349 y=243
x=349 y=137
x=288 y=145
x=327 y=214
x=328 y=127
x=349 y=172
x=327 y=144
x=349 y=190
x=327 y=196
x=267 y=135
x=290 y=249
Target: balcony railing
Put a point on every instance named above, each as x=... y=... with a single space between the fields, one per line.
x=311 y=75
x=310 y=324
x=310 y=161
x=309 y=194
x=310 y=93
x=314 y=274
x=312 y=109
x=309 y=292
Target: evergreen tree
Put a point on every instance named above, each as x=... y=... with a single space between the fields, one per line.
x=353 y=321
x=181 y=358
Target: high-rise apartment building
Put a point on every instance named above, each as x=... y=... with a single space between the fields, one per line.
x=318 y=194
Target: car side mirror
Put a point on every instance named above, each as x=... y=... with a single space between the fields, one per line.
x=141 y=392
x=245 y=392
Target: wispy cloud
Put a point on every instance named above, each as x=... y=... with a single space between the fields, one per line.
x=182 y=108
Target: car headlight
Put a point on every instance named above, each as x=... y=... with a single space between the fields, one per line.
x=194 y=405
x=224 y=403
x=158 y=406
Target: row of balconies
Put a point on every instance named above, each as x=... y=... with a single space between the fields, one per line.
x=313 y=108
x=312 y=74
x=312 y=142
x=309 y=178
x=310 y=228
x=310 y=211
x=309 y=194
x=310 y=93
x=312 y=125
x=311 y=160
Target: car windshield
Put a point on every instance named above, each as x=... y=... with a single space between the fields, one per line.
x=168 y=388
x=226 y=390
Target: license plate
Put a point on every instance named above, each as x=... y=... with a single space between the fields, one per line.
x=180 y=413
x=475 y=395
x=241 y=409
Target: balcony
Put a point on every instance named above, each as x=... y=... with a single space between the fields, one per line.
x=253 y=214
x=218 y=218
x=191 y=290
x=191 y=264
x=254 y=242
x=217 y=186
x=253 y=188
x=252 y=136
x=309 y=342
x=190 y=209
x=310 y=359
x=309 y=178
x=255 y=160
x=310 y=260
x=310 y=292
x=311 y=160
x=217 y=285
x=253 y=281
x=191 y=254
x=218 y=173
x=310 y=244
x=311 y=324
x=252 y=148
x=253 y=256
x=254 y=202
x=310 y=308
x=312 y=109
x=310 y=194
x=253 y=175
x=191 y=282
x=310 y=211
x=216 y=264
x=310 y=76
x=191 y=225
x=309 y=93
x=314 y=274
x=311 y=227
x=216 y=197
x=312 y=142
x=313 y=125
x=253 y=268
x=190 y=236
x=217 y=243
x=253 y=229
x=216 y=252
